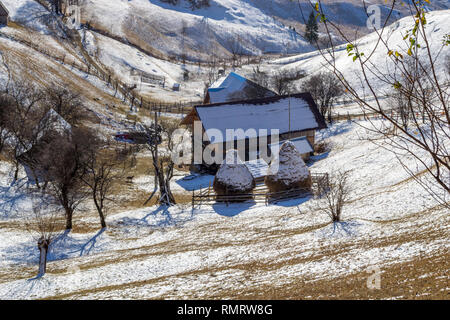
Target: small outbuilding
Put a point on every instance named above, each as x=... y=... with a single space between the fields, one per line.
x=302 y=144
x=4 y=15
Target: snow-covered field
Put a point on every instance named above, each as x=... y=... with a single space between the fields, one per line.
x=287 y=250
x=252 y=250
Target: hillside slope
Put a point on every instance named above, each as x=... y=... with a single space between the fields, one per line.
x=36 y=50
x=313 y=62
x=248 y=26
x=158 y=26
x=284 y=250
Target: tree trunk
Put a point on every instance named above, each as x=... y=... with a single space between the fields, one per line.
x=69 y=215
x=100 y=212
x=166 y=196
x=16 y=173
x=43 y=249
x=102 y=219
x=68 y=210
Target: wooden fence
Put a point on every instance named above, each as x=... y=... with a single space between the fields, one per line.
x=91 y=67
x=261 y=193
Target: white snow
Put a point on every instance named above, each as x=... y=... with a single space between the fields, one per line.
x=27 y=12
x=179 y=252
x=258 y=168
x=288 y=166
x=255 y=117
x=160 y=24
x=234 y=173
x=301 y=144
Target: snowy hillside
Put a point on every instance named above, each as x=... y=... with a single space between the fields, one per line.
x=155 y=27
x=280 y=250
x=313 y=62
x=226 y=24
x=287 y=250
x=249 y=26
x=35 y=49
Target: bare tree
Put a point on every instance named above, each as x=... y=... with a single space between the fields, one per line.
x=282 y=83
x=22 y=104
x=236 y=49
x=66 y=103
x=61 y=163
x=5 y=61
x=162 y=159
x=426 y=138
x=325 y=88
x=332 y=201
x=103 y=170
x=45 y=223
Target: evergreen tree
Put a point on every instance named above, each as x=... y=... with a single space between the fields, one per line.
x=312 y=29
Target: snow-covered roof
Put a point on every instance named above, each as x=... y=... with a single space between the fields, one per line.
x=254 y=115
x=2 y=6
x=258 y=168
x=53 y=121
x=233 y=87
x=301 y=144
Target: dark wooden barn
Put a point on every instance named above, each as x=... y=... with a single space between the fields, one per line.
x=4 y=15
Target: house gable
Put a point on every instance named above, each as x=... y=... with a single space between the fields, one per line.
x=3 y=10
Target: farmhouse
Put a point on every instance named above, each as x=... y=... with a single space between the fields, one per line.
x=4 y=14
x=235 y=87
x=296 y=117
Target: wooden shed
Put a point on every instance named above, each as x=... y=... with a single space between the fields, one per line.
x=4 y=15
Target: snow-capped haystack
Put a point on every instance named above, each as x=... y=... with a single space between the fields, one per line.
x=233 y=177
x=288 y=170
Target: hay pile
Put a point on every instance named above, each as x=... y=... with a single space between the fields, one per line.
x=288 y=170
x=233 y=177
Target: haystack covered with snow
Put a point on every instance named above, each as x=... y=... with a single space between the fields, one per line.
x=288 y=170
x=233 y=177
